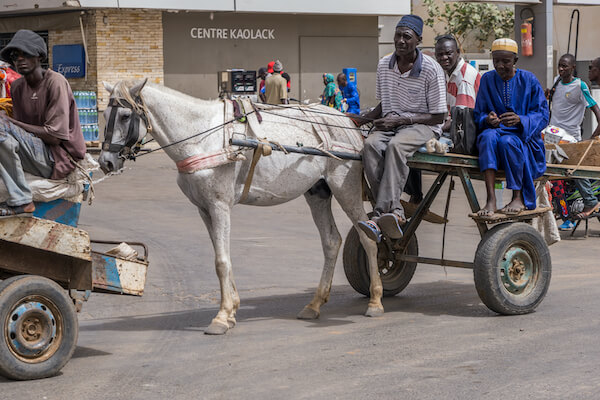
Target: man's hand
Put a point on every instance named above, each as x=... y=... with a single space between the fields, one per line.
x=447 y=125
x=510 y=119
x=389 y=123
x=493 y=120
x=357 y=119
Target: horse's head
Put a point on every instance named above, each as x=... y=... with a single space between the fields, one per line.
x=126 y=124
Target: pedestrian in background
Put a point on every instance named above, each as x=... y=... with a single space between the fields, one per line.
x=276 y=86
x=331 y=97
x=262 y=74
x=349 y=93
x=288 y=79
x=570 y=98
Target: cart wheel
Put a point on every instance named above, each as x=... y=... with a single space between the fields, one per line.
x=512 y=268
x=395 y=275
x=39 y=327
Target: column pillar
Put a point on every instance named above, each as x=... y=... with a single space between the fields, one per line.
x=542 y=61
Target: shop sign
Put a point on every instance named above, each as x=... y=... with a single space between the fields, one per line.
x=232 y=33
x=69 y=60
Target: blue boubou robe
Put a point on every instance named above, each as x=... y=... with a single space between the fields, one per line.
x=517 y=150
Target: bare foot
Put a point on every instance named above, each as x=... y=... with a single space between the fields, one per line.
x=514 y=207
x=488 y=210
x=29 y=208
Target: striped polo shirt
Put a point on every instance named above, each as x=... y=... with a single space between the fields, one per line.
x=463 y=85
x=422 y=90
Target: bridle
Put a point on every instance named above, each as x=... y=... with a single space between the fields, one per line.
x=132 y=145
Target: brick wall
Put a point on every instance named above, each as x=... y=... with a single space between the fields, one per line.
x=121 y=44
x=129 y=45
x=73 y=36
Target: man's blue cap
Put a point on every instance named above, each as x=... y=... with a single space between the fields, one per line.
x=413 y=22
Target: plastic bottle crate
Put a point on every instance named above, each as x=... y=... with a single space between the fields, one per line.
x=90 y=132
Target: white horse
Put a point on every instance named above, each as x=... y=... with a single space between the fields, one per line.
x=278 y=178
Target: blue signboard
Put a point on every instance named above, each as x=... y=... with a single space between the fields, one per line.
x=69 y=60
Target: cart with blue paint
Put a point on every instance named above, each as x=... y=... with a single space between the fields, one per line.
x=512 y=265
x=49 y=269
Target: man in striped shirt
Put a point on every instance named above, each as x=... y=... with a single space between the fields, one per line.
x=412 y=90
x=463 y=79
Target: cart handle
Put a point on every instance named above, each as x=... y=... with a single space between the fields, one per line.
x=129 y=243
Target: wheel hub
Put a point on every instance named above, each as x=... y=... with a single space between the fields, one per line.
x=31 y=329
x=516 y=270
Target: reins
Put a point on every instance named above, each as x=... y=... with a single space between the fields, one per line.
x=140 y=112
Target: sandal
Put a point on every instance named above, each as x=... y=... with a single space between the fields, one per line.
x=371 y=229
x=586 y=214
x=15 y=211
x=391 y=223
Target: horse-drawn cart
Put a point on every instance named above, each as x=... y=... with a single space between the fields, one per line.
x=512 y=265
x=39 y=259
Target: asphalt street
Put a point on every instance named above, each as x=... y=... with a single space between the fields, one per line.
x=435 y=341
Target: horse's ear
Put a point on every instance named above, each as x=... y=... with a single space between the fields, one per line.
x=109 y=88
x=137 y=88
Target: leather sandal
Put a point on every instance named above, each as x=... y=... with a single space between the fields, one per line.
x=15 y=211
x=586 y=214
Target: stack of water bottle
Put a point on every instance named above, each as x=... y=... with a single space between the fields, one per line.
x=88 y=114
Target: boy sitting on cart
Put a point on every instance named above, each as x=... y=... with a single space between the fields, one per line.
x=510 y=113
x=44 y=135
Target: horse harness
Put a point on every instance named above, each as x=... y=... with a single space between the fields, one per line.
x=131 y=146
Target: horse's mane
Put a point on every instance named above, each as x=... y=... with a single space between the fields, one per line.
x=122 y=91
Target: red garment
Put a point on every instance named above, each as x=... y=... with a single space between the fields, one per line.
x=270 y=67
x=8 y=76
x=463 y=85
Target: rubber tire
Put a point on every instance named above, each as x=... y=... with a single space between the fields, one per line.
x=490 y=252
x=12 y=291
x=357 y=270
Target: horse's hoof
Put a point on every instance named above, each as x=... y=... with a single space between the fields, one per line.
x=231 y=322
x=308 y=313
x=216 y=328
x=374 y=312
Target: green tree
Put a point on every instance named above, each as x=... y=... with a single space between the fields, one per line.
x=483 y=21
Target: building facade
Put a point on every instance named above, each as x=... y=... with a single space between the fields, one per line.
x=185 y=46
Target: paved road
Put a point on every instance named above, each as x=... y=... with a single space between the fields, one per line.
x=436 y=340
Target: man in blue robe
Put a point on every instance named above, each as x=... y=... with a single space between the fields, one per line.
x=350 y=93
x=510 y=113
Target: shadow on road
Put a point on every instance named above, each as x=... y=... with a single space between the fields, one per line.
x=433 y=298
x=83 y=352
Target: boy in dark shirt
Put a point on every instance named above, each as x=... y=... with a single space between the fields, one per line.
x=45 y=133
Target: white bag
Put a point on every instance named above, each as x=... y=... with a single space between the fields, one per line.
x=553 y=135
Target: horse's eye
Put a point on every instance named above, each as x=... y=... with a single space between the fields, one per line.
x=125 y=117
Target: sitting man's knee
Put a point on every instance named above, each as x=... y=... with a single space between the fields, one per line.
x=371 y=145
x=6 y=141
x=398 y=147
x=509 y=141
x=488 y=135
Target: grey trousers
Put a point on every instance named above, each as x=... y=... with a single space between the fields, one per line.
x=384 y=161
x=586 y=192
x=21 y=151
